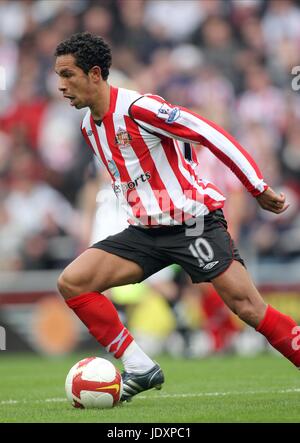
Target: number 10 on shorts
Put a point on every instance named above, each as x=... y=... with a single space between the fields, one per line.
x=202 y=251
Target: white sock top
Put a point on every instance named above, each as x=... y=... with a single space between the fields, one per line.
x=135 y=360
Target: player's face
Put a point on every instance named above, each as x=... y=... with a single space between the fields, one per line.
x=74 y=83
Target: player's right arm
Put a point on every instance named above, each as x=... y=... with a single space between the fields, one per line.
x=86 y=138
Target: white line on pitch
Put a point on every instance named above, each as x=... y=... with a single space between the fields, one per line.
x=141 y=397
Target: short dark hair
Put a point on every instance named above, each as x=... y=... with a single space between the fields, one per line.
x=89 y=50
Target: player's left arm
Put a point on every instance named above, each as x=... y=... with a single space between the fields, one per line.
x=156 y=115
x=271 y=201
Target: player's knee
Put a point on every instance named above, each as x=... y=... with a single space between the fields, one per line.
x=70 y=283
x=68 y=286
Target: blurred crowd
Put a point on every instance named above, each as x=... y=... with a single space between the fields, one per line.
x=229 y=60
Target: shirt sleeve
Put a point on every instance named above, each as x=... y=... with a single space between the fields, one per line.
x=157 y=116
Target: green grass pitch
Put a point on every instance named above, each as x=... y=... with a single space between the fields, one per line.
x=218 y=389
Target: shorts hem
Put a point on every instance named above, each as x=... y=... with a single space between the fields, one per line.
x=218 y=273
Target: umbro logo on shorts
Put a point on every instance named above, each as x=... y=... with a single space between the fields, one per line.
x=210 y=265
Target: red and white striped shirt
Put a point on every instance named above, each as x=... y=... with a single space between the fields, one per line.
x=140 y=142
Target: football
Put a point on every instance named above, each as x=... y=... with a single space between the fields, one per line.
x=93 y=383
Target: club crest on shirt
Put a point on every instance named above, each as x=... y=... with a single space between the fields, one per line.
x=168 y=114
x=123 y=138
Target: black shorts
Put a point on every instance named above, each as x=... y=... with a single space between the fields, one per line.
x=204 y=253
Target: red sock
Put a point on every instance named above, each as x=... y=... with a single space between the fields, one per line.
x=100 y=316
x=218 y=319
x=282 y=333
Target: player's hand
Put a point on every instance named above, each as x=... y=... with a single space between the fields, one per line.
x=270 y=201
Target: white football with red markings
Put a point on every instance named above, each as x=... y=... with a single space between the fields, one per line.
x=94 y=382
